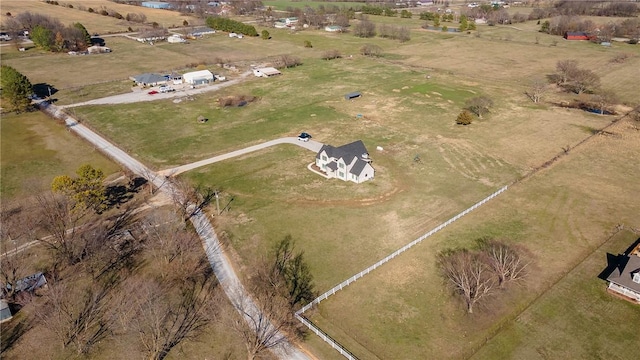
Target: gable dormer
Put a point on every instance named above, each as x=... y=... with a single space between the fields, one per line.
x=636 y=277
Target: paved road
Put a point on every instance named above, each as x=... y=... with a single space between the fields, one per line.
x=138 y=96
x=221 y=266
x=310 y=145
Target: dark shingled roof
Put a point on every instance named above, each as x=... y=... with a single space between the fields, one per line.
x=333 y=165
x=346 y=152
x=356 y=169
x=149 y=78
x=623 y=273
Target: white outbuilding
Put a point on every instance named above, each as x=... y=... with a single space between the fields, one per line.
x=266 y=72
x=198 y=77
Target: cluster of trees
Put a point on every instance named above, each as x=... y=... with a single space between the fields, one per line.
x=320 y=16
x=16 y=90
x=476 y=106
x=379 y=10
x=286 y=61
x=473 y=275
x=98 y=259
x=365 y=28
x=575 y=79
x=49 y=33
x=586 y=8
x=229 y=25
x=604 y=32
x=394 y=32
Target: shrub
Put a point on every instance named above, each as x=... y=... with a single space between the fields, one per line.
x=464 y=118
x=90 y=10
x=331 y=54
x=371 y=50
x=307 y=44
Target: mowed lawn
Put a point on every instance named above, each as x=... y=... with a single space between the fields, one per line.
x=404 y=311
x=35 y=149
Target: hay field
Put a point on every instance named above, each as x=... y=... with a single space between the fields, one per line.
x=95 y=23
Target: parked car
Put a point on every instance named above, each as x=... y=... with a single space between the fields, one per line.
x=152 y=92
x=5 y=37
x=165 y=89
x=304 y=137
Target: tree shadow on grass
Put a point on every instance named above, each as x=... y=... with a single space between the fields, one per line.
x=12 y=331
x=120 y=194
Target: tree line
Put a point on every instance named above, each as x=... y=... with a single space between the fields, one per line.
x=230 y=25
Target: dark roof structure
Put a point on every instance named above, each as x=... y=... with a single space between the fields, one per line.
x=149 y=78
x=346 y=152
x=624 y=271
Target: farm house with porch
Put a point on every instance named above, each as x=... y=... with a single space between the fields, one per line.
x=348 y=162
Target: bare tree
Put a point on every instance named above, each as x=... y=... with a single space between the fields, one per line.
x=190 y=200
x=479 y=105
x=364 y=28
x=166 y=314
x=605 y=99
x=584 y=80
x=507 y=261
x=537 y=88
x=565 y=71
x=263 y=328
x=79 y=315
x=468 y=274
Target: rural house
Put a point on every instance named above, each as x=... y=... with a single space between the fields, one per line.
x=149 y=79
x=625 y=278
x=348 y=162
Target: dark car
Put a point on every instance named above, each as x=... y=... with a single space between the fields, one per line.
x=304 y=137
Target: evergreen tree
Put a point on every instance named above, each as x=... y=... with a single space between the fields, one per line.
x=42 y=37
x=16 y=89
x=85 y=33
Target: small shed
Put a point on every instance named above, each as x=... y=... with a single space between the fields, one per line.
x=353 y=95
x=176 y=39
x=198 y=77
x=97 y=49
x=266 y=72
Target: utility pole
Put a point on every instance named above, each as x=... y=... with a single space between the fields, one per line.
x=217 y=201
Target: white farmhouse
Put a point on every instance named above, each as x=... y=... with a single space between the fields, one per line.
x=198 y=77
x=348 y=162
x=624 y=280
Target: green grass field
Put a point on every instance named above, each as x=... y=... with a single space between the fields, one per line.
x=35 y=149
x=411 y=96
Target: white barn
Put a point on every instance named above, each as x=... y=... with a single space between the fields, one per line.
x=198 y=77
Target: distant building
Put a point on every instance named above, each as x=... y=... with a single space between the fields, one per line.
x=266 y=72
x=577 y=35
x=156 y=4
x=175 y=39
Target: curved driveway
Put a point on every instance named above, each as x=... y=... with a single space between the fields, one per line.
x=219 y=262
x=310 y=145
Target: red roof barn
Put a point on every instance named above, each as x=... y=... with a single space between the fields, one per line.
x=580 y=35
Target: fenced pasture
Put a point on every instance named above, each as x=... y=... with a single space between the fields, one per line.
x=562 y=215
x=578 y=305
x=411 y=96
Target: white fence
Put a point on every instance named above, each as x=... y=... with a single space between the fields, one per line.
x=364 y=272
